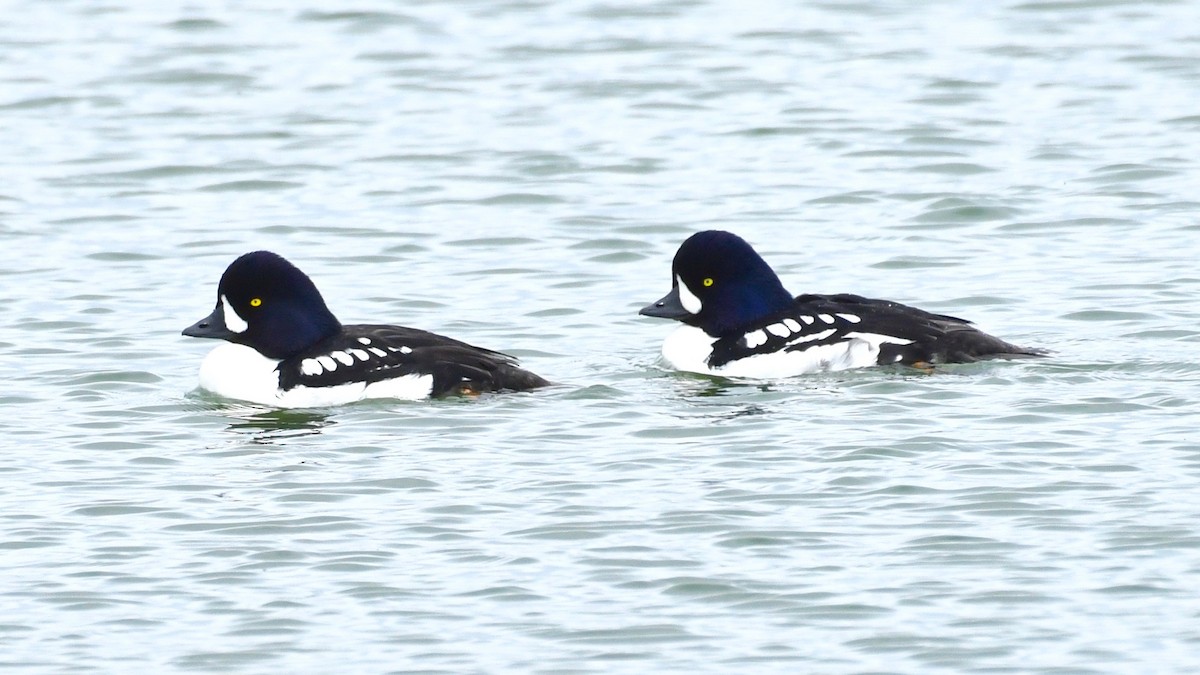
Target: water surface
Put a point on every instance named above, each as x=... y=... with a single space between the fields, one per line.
x=518 y=175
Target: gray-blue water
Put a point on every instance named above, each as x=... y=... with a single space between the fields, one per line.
x=518 y=174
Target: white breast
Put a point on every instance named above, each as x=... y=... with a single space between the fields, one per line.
x=237 y=371
x=687 y=348
x=240 y=372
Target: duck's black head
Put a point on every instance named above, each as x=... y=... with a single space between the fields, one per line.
x=720 y=284
x=265 y=302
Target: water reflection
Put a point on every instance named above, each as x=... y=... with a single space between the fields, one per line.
x=268 y=425
x=264 y=424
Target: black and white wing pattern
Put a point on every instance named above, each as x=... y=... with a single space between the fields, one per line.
x=901 y=334
x=374 y=353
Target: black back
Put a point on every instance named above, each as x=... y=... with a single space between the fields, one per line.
x=396 y=351
x=933 y=338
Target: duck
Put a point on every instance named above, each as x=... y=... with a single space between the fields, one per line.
x=284 y=348
x=739 y=321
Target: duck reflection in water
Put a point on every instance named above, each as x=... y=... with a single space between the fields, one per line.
x=269 y=425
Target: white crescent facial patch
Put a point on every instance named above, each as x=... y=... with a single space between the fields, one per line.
x=233 y=322
x=687 y=298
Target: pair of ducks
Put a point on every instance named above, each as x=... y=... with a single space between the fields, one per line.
x=285 y=348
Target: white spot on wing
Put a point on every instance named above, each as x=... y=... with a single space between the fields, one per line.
x=359 y=354
x=687 y=298
x=345 y=358
x=825 y=317
x=327 y=362
x=310 y=367
x=793 y=325
x=850 y=317
x=364 y=341
x=807 y=319
x=233 y=321
x=406 y=350
x=755 y=338
x=377 y=351
x=779 y=329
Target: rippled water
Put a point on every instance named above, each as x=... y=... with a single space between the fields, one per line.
x=518 y=174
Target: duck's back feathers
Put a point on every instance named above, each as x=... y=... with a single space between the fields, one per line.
x=893 y=333
x=373 y=353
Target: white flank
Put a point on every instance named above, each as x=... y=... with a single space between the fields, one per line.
x=240 y=372
x=878 y=339
x=408 y=387
x=233 y=322
x=687 y=298
x=818 y=358
x=688 y=349
x=411 y=387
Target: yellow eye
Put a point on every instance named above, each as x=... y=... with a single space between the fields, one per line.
x=255 y=302
x=707 y=282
